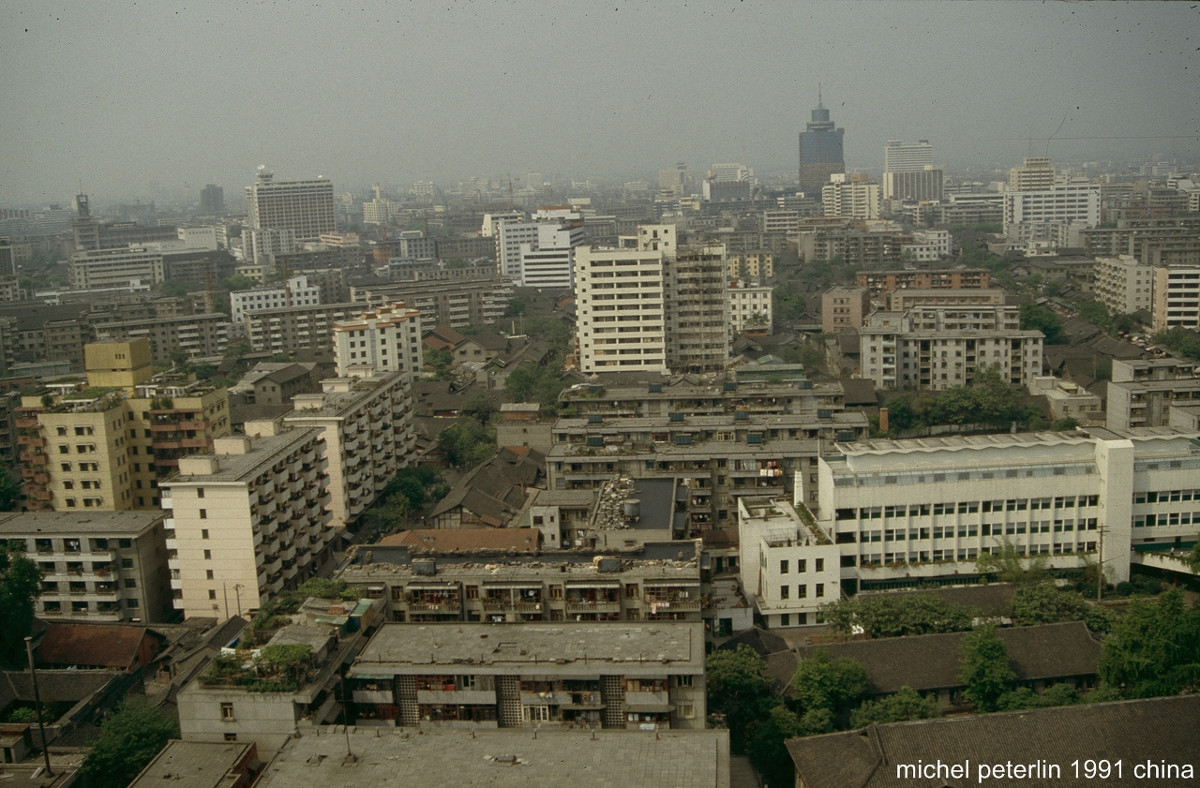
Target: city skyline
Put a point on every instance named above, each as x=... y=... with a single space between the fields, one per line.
x=169 y=98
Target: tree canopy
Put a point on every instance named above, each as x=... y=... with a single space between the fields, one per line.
x=1045 y=603
x=893 y=615
x=737 y=688
x=989 y=400
x=20 y=584
x=1154 y=649
x=1039 y=318
x=822 y=681
x=984 y=668
x=129 y=740
x=906 y=704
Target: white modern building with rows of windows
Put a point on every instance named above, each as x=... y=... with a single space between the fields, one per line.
x=916 y=512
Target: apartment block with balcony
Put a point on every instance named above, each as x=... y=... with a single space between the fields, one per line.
x=912 y=512
x=935 y=348
x=651 y=582
x=1176 y=297
x=248 y=520
x=107 y=445
x=713 y=459
x=454 y=302
x=1123 y=284
x=96 y=566
x=682 y=395
x=367 y=425
x=1143 y=392
x=298 y=330
x=639 y=676
x=883 y=282
x=386 y=339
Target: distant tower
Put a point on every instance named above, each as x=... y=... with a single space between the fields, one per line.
x=212 y=200
x=820 y=150
x=304 y=207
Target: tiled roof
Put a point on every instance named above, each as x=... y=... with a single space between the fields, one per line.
x=1135 y=732
x=928 y=662
x=90 y=644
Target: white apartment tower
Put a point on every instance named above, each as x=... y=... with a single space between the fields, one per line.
x=541 y=252
x=1123 y=284
x=295 y=291
x=304 y=207
x=387 y=339
x=907 y=156
x=658 y=307
x=851 y=200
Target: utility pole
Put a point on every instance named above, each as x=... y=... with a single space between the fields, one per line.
x=37 y=702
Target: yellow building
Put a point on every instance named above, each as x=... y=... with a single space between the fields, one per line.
x=105 y=446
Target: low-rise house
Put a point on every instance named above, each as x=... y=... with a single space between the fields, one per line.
x=494 y=493
x=1039 y=655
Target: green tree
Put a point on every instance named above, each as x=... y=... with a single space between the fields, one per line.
x=984 y=668
x=736 y=687
x=10 y=490
x=825 y=682
x=1037 y=318
x=480 y=407
x=516 y=306
x=237 y=282
x=20 y=584
x=129 y=740
x=441 y=361
x=907 y=704
x=767 y=750
x=1154 y=649
x=237 y=349
x=1008 y=565
x=174 y=288
x=466 y=444
x=896 y=615
x=1045 y=603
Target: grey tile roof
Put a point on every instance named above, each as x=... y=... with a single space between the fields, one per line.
x=1138 y=731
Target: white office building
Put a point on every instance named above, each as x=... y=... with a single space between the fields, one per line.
x=304 y=207
x=295 y=291
x=905 y=513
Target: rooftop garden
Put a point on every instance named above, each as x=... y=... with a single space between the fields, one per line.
x=280 y=668
x=277 y=612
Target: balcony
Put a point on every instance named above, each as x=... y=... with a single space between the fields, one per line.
x=585 y=606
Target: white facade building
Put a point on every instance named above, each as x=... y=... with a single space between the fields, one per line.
x=851 y=200
x=620 y=304
x=296 y=291
x=928 y=246
x=1062 y=204
x=750 y=306
x=788 y=569
x=1123 y=284
x=540 y=252
x=937 y=347
x=904 y=513
x=95 y=269
x=387 y=339
x=260 y=245
x=304 y=207
x=1176 y=297
x=907 y=156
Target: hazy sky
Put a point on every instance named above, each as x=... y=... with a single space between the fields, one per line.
x=135 y=98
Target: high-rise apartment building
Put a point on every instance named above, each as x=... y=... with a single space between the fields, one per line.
x=304 y=207
x=662 y=306
x=820 y=150
x=1176 y=297
x=1036 y=174
x=366 y=424
x=1123 y=284
x=851 y=200
x=387 y=339
x=247 y=521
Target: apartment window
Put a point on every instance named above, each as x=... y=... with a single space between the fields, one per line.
x=227 y=712
x=68 y=485
x=204 y=514
x=208 y=574
x=70 y=502
x=785 y=620
x=230 y=737
x=802 y=565
x=208 y=555
x=130 y=582
x=203 y=533
x=64 y=449
x=783 y=592
x=820 y=589
x=802 y=592
x=783 y=567
x=686 y=711
x=65 y=466
x=212 y=593
x=820 y=567
x=199 y=492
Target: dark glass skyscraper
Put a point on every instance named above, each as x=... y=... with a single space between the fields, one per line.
x=820 y=151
